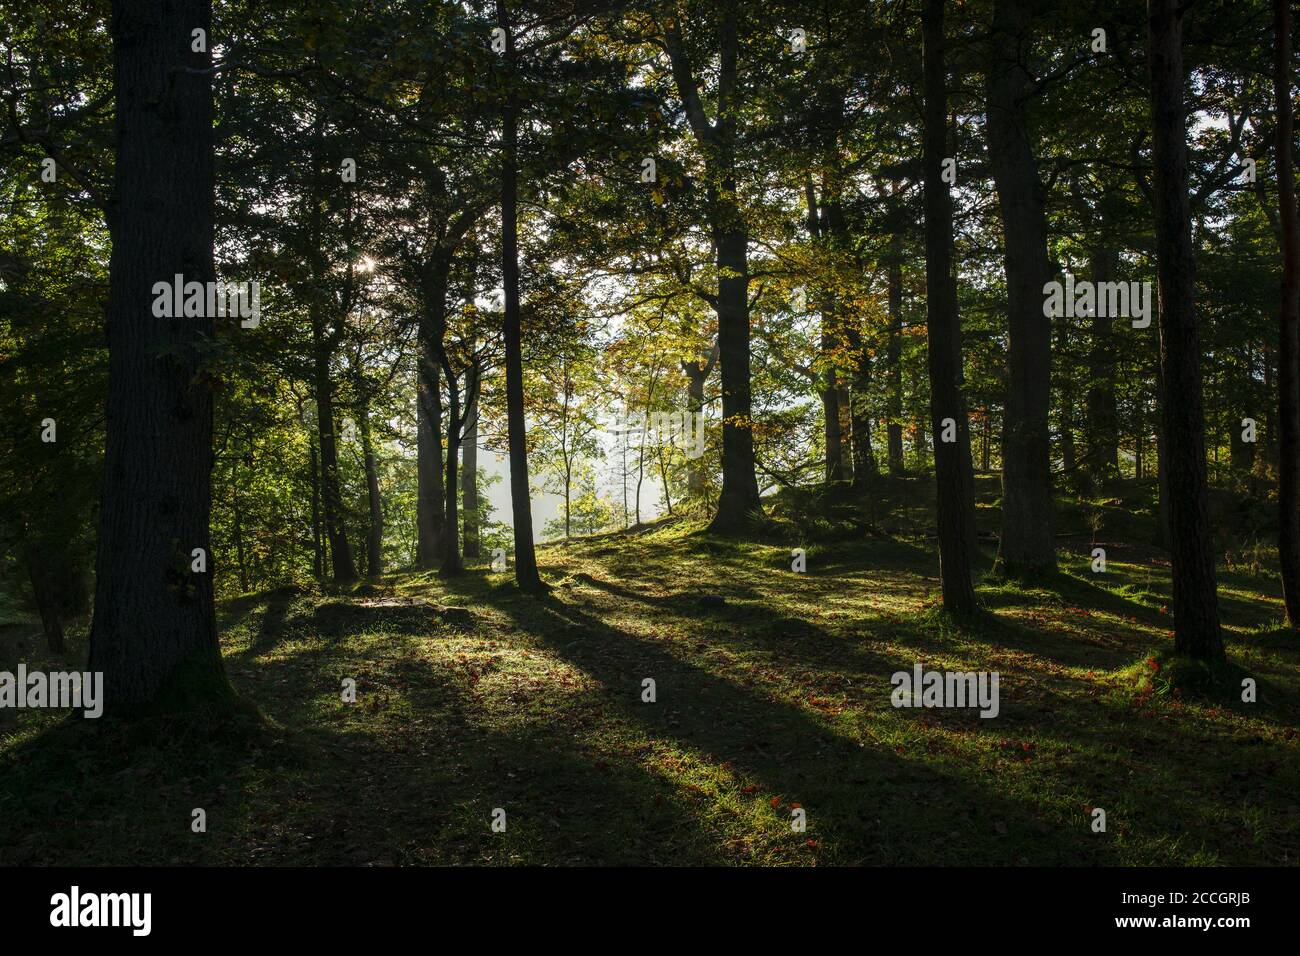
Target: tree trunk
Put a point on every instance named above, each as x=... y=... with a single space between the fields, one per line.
x=47 y=604
x=239 y=525
x=739 y=503
x=318 y=549
x=345 y=571
x=1195 y=598
x=894 y=353
x=1288 y=349
x=154 y=633
x=830 y=396
x=451 y=562
x=1103 y=414
x=697 y=373
x=469 y=473
x=430 y=508
x=375 y=536
x=952 y=459
x=526 y=576
x=1027 y=545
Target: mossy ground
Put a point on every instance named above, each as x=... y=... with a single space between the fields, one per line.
x=776 y=700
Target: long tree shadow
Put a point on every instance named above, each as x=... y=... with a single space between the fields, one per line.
x=898 y=811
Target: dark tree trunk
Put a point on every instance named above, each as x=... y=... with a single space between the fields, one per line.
x=1103 y=415
x=985 y=451
x=1195 y=597
x=952 y=460
x=1288 y=350
x=238 y=515
x=154 y=633
x=45 y=592
x=830 y=396
x=345 y=571
x=697 y=373
x=318 y=549
x=526 y=575
x=1027 y=545
x=894 y=353
x=1066 y=391
x=430 y=508
x=469 y=471
x=451 y=562
x=1162 y=483
x=375 y=535
x=739 y=503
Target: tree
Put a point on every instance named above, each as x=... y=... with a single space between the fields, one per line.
x=952 y=460
x=154 y=633
x=526 y=576
x=1195 y=597
x=717 y=138
x=1288 y=348
x=1027 y=544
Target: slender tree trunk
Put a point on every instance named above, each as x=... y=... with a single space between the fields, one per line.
x=952 y=459
x=1103 y=414
x=451 y=562
x=697 y=373
x=154 y=633
x=345 y=570
x=1066 y=388
x=318 y=550
x=1195 y=597
x=239 y=525
x=469 y=472
x=1027 y=545
x=47 y=604
x=526 y=576
x=430 y=507
x=894 y=353
x=663 y=476
x=830 y=396
x=375 y=535
x=1288 y=349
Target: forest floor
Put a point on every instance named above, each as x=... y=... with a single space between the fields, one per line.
x=777 y=700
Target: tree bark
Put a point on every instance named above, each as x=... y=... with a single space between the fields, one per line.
x=697 y=373
x=469 y=472
x=375 y=534
x=345 y=570
x=451 y=561
x=952 y=459
x=1102 y=411
x=1288 y=349
x=154 y=633
x=526 y=576
x=894 y=353
x=430 y=507
x=1195 y=597
x=47 y=604
x=739 y=503
x=318 y=548
x=1027 y=545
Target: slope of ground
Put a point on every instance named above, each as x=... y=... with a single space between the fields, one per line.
x=773 y=699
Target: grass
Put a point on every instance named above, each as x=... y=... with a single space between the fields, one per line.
x=778 y=699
